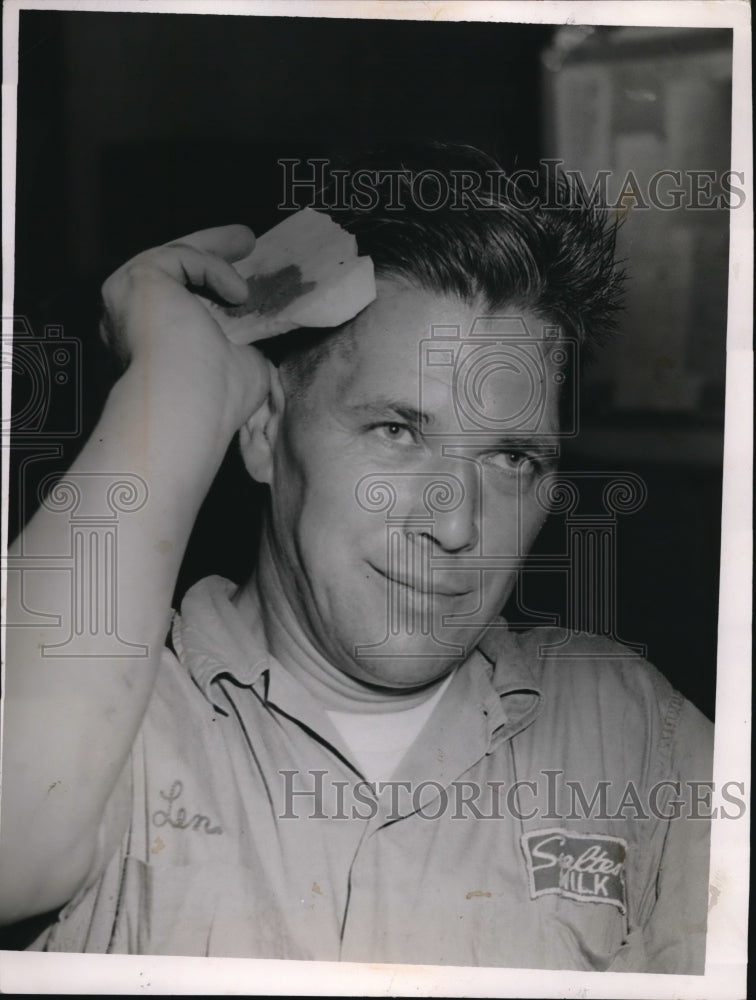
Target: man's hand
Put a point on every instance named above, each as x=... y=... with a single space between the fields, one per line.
x=154 y=322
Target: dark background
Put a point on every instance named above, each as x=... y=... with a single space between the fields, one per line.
x=136 y=128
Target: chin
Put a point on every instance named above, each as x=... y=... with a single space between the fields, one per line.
x=413 y=653
x=404 y=671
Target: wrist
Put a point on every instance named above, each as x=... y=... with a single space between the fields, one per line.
x=165 y=430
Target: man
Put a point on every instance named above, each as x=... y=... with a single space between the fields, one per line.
x=349 y=756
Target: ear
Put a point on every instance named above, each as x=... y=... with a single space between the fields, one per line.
x=257 y=437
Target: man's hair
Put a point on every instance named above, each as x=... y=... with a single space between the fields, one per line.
x=531 y=243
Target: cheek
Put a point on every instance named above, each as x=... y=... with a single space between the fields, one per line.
x=290 y=488
x=534 y=515
x=510 y=522
x=509 y=531
x=532 y=519
x=314 y=505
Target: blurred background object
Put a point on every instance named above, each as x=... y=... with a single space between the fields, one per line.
x=644 y=116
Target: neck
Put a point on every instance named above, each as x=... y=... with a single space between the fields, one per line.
x=266 y=597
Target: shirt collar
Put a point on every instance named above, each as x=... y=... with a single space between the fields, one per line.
x=513 y=697
x=214 y=638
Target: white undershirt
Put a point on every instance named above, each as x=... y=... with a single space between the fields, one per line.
x=378 y=741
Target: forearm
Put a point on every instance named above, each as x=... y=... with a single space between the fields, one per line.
x=70 y=721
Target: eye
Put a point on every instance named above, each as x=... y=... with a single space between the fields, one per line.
x=395 y=432
x=519 y=457
x=515 y=461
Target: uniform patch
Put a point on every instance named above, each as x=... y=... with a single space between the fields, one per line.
x=587 y=867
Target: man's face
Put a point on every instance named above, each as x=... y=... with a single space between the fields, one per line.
x=397 y=529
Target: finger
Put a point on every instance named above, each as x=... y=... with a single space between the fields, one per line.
x=257 y=370
x=229 y=242
x=251 y=328
x=202 y=270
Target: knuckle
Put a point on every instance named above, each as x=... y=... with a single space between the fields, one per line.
x=106 y=332
x=137 y=269
x=143 y=268
x=112 y=284
x=106 y=290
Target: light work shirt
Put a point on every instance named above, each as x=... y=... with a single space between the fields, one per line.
x=529 y=825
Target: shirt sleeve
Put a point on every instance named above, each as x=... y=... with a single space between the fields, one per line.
x=674 y=933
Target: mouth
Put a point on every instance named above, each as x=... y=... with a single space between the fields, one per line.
x=425 y=588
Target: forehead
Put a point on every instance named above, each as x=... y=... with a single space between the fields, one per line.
x=440 y=354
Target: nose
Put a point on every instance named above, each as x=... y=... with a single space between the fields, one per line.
x=451 y=502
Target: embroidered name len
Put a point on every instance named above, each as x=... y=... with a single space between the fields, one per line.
x=589 y=868
x=179 y=818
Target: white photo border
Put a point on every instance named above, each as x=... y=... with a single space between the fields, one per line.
x=725 y=976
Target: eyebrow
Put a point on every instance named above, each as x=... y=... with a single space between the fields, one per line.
x=384 y=405
x=540 y=442
x=543 y=442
